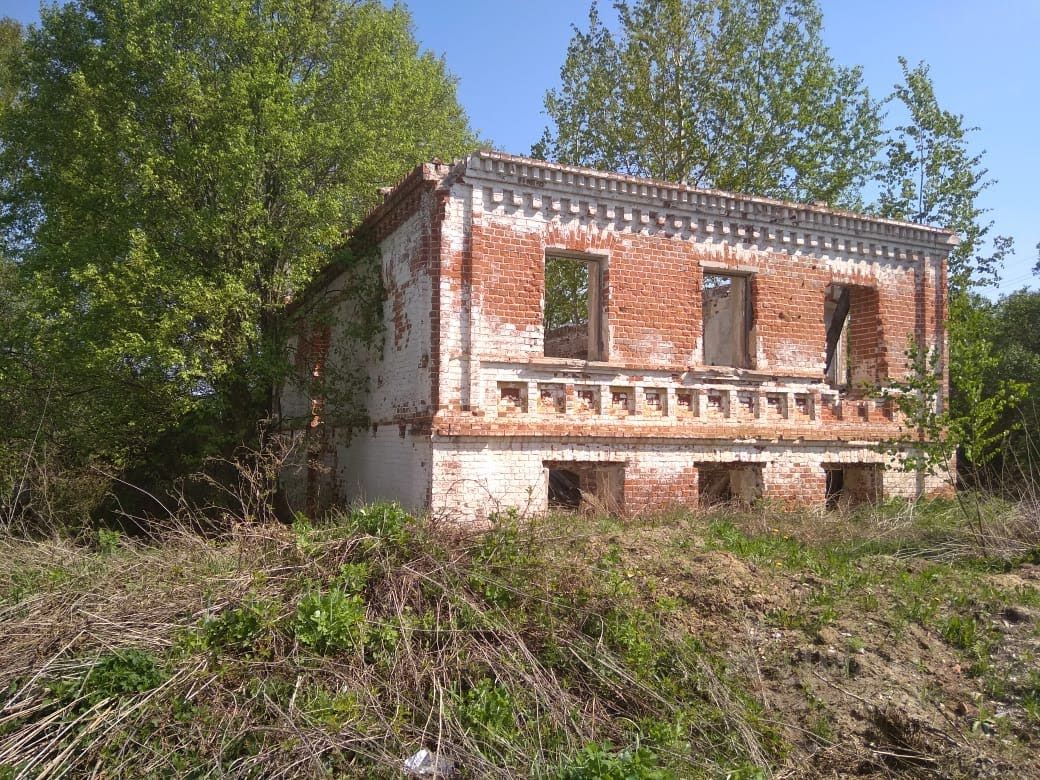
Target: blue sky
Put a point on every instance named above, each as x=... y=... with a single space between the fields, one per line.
x=983 y=56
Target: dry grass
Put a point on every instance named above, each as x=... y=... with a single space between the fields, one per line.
x=675 y=646
x=479 y=647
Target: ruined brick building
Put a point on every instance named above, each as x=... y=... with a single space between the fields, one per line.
x=562 y=336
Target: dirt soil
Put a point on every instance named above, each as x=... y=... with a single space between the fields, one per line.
x=856 y=684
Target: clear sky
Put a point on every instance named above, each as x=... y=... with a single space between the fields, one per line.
x=984 y=58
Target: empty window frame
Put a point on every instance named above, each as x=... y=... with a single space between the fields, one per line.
x=572 y=311
x=836 y=322
x=852 y=484
x=724 y=483
x=727 y=315
x=851 y=322
x=589 y=487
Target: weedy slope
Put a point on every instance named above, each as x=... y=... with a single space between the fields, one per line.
x=738 y=645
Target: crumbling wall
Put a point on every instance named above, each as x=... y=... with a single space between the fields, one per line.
x=471 y=398
x=475 y=477
x=568 y=341
x=367 y=428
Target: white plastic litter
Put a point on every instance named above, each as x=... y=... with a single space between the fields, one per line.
x=426 y=763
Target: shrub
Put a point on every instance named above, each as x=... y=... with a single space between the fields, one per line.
x=108 y=541
x=330 y=621
x=599 y=762
x=242 y=628
x=489 y=709
x=117 y=674
x=387 y=522
x=504 y=561
x=960 y=631
x=353 y=577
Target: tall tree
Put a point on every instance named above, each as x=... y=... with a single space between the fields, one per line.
x=930 y=176
x=11 y=33
x=172 y=171
x=733 y=94
x=1016 y=336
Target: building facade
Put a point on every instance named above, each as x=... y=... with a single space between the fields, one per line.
x=553 y=335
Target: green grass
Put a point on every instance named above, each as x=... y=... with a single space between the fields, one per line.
x=562 y=647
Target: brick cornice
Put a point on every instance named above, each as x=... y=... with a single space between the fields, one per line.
x=637 y=204
x=643 y=432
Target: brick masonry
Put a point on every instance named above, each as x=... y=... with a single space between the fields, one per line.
x=467 y=413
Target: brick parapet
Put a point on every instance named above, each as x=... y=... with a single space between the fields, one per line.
x=649 y=205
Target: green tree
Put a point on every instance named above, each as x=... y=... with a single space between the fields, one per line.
x=733 y=94
x=11 y=35
x=1016 y=339
x=930 y=176
x=171 y=173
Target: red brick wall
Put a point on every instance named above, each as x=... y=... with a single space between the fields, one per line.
x=866 y=337
x=648 y=491
x=788 y=296
x=508 y=277
x=653 y=300
x=901 y=318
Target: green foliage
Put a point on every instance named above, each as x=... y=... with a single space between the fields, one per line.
x=931 y=177
x=11 y=38
x=984 y=394
x=108 y=541
x=602 y=762
x=1013 y=327
x=122 y=673
x=933 y=431
x=566 y=292
x=333 y=710
x=353 y=577
x=502 y=558
x=331 y=621
x=961 y=631
x=169 y=175
x=489 y=711
x=387 y=522
x=734 y=94
x=246 y=628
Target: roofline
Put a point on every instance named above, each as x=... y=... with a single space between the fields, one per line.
x=437 y=174
x=941 y=235
x=433 y=172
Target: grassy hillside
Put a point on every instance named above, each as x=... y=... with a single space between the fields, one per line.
x=738 y=645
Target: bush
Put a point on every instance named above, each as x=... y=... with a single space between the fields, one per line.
x=599 y=762
x=488 y=709
x=122 y=673
x=242 y=628
x=331 y=621
x=387 y=522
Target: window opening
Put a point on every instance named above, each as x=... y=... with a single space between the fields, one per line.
x=835 y=486
x=722 y=483
x=850 y=485
x=588 y=487
x=836 y=309
x=572 y=319
x=726 y=332
x=564 y=490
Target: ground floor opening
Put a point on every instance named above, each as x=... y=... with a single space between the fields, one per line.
x=723 y=483
x=584 y=486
